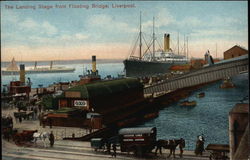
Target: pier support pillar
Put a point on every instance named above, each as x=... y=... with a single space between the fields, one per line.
x=238 y=122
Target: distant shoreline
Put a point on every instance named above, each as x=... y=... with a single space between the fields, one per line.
x=62 y=62
x=83 y=60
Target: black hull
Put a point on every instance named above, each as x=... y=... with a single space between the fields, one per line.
x=136 y=68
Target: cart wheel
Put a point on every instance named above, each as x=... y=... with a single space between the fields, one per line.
x=139 y=151
x=210 y=157
x=17 y=141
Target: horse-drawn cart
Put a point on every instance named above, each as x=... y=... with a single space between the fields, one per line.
x=137 y=140
x=218 y=151
x=97 y=143
x=24 y=115
x=7 y=127
x=23 y=137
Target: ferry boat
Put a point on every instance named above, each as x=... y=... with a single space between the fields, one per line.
x=12 y=69
x=227 y=83
x=151 y=115
x=201 y=95
x=155 y=62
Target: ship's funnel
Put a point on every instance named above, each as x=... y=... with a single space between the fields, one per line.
x=51 y=64
x=166 y=42
x=94 y=64
x=22 y=73
x=35 y=64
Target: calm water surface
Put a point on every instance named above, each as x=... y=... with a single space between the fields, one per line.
x=209 y=117
x=46 y=79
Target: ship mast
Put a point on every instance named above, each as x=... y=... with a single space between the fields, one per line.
x=153 y=38
x=35 y=64
x=140 y=45
x=187 y=47
x=178 y=43
x=51 y=63
x=184 y=48
x=216 y=50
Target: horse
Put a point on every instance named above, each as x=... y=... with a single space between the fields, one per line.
x=170 y=144
x=24 y=136
x=42 y=136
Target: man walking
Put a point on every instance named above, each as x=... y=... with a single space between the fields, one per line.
x=114 y=149
x=35 y=112
x=20 y=119
x=181 y=146
x=51 y=139
x=50 y=122
x=40 y=108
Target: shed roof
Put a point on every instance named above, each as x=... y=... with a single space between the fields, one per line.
x=139 y=130
x=237 y=46
x=66 y=110
x=106 y=87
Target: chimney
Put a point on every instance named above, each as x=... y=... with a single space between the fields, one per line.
x=93 y=64
x=166 y=42
x=51 y=64
x=22 y=73
x=35 y=64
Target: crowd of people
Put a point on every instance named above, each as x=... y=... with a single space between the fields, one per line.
x=108 y=148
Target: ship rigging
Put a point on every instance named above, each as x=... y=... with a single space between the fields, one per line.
x=152 y=62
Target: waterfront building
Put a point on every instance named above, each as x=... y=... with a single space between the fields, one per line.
x=235 y=51
x=103 y=96
x=110 y=99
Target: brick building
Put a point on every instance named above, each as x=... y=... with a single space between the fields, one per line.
x=235 y=51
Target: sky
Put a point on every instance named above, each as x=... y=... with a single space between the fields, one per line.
x=54 y=30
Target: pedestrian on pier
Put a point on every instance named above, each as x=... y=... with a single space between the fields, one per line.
x=181 y=146
x=114 y=150
x=40 y=108
x=50 y=122
x=108 y=146
x=44 y=120
x=35 y=112
x=20 y=119
x=40 y=117
x=51 y=139
x=199 y=145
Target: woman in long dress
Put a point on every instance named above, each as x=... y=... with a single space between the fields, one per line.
x=199 y=145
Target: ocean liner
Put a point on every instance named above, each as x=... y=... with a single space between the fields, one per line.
x=155 y=62
x=12 y=69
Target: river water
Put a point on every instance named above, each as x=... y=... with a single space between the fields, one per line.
x=46 y=79
x=209 y=117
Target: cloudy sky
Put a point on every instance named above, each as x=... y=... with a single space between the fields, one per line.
x=29 y=32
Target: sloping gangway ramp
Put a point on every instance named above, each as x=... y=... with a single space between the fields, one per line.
x=217 y=71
